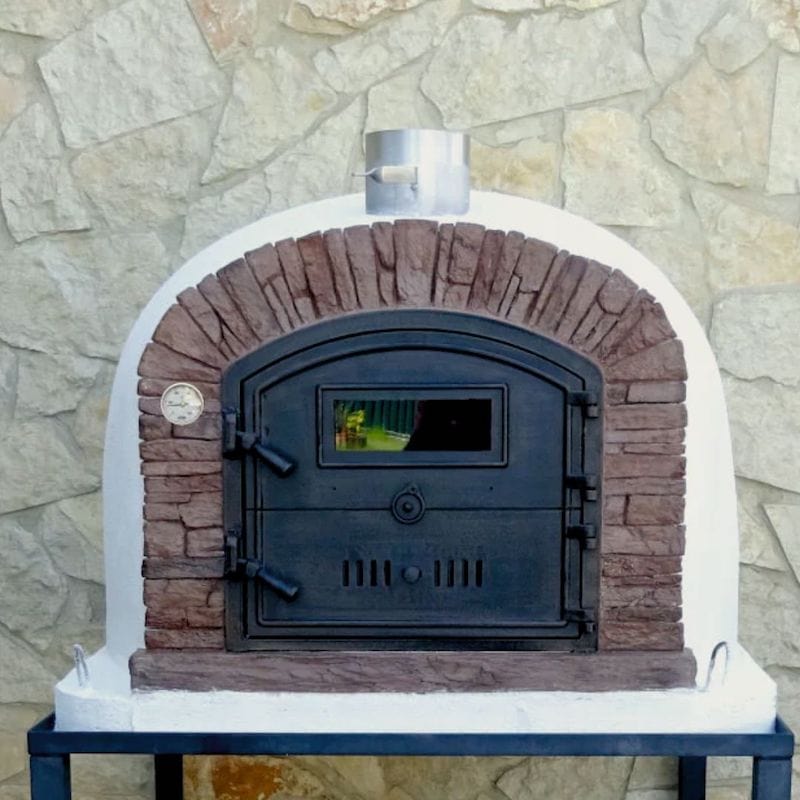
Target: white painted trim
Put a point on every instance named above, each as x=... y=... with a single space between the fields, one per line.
x=744 y=702
x=710 y=567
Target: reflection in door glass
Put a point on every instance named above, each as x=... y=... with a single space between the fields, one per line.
x=409 y=424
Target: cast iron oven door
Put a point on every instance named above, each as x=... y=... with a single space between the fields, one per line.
x=412 y=479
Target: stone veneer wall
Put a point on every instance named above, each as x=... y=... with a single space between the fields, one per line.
x=689 y=152
x=274 y=289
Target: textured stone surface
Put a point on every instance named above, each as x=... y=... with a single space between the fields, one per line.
x=785 y=521
x=768 y=606
x=72 y=535
x=79 y=294
x=528 y=169
x=398 y=103
x=679 y=255
x=143 y=62
x=754 y=335
x=50 y=19
x=765 y=411
x=354 y=64
x=536 y=5
x=757 y=543
x=480 y=71
x=736 y=40
x=609 y=174
x=144 y=177
x=216 y=215
x=275 y=97
x=13 y=98
x=48 y=385
x=671 y=29
x=311 y=15
x=781 y=20
x=227 y=25
x=535 y=779
x=32 y=593
x=35 y=448
x=715 y=129
x=320 y=165
x=747 y=247
x=37 y=192
x=25 y=679
x=784 y=158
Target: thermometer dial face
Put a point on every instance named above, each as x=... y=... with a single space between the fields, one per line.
x=182 y=403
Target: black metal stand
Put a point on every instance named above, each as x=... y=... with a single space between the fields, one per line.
x=50 y=752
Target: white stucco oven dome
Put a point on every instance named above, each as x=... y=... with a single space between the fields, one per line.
x=736 y=696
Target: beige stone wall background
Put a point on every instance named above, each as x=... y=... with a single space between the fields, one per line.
x=134 y=133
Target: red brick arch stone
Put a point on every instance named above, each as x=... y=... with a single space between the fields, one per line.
x=270 y=291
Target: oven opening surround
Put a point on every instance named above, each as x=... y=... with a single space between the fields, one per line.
x=290 y=317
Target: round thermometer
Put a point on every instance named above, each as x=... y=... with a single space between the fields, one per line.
x=182 y=403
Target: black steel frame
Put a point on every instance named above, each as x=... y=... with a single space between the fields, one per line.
x=50 y=752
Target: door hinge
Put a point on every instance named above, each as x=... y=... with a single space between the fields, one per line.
x=588 y=402
x=585 y=534
x=587 y=483
x=586 y=617
x=235 y=442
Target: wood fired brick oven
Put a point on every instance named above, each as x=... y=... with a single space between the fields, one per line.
x=456 y=464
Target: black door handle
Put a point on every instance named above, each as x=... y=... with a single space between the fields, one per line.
x=253 y=568
x=234 y=441
x=279 y=463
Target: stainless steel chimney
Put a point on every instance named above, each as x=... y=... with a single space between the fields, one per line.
x=417 y=172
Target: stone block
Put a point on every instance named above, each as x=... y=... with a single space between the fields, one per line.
x=639 y=565
x=203 y=511
x=641 y=635
x=189 y=638
x=180 y=450
x=646 y=416
x=654 y=510
x=200 y=482
x=657 y=392
x=240 y=284
x=340 y=264
x=663 y=361
x=363 y=261
x=161 y=362
x=204 y=542
x=633 y=465
x=164 y=538
x=415 y=248
x=319 y=273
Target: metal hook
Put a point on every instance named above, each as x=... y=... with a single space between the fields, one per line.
x=81 y=667
x=712 y=662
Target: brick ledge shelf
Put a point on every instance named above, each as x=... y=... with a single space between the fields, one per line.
x=409 y=671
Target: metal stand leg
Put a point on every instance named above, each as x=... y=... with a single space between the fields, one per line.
x=692 y=778
x=50 y=778
x=772 y=778
x=169 y=777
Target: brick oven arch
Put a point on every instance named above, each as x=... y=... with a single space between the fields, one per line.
x=268 y=292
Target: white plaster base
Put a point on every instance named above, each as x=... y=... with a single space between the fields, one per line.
x=741 y=699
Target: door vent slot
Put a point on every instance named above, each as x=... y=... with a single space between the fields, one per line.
x=362 y=573
x=458 y=573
